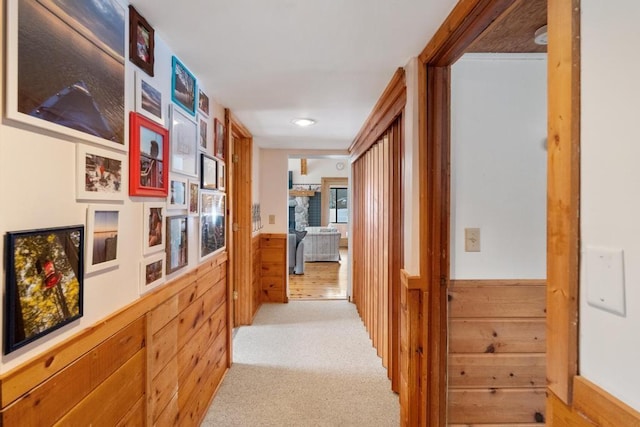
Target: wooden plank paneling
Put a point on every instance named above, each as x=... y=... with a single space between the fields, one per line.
x=256 y=274
x=274 y=268
x=497 y=335
x=496 y=406
x=497 y=370
x=112 y=399
x=111 y=383
x=497 y=298
x=559 y=414
x=46 y=403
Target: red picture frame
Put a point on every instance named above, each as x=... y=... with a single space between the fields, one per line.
x=148 y=157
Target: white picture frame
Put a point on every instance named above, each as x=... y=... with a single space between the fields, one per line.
x=150 y=101
x=153 y=230
x=103 y=243
x=152 y=272
x=203 y=133
x=193 y=207
x=70 y=79
x=184 y=142
x=100 y=174
x=178 y=193
x=213 y=226
x=222 y=176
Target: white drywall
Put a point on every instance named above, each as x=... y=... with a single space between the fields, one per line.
x=318 y=169
x=37 y=189
x=498 y=166
x=610 y=207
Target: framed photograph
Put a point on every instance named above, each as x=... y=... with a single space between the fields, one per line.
x=219 y=144
x=194 y=199
x=177 y=193
x=208 y=172
x=183 y=87
x=141 y=41
x=203 y=103
x=102 y=237
x=222 y=177
x=65 y=68
x=99 y=173
x=148 y=171
x=151 y=272
x=45 y=271
x=212 y=223
x=177 y=243
x=203 y=134
x=149 y=101
x=184 y=141
x=153 y=227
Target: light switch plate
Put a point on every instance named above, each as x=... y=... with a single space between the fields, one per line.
x=604 y=270
x=272 y=219
x=472 y=240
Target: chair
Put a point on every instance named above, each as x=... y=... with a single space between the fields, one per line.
x=296 y=252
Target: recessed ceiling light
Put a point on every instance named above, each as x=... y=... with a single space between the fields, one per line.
x=303 y=122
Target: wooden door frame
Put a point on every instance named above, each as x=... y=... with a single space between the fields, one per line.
x=464 y=24
x=327 y=183
x=240 y=227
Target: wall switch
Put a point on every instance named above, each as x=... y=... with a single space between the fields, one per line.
x=472 y=240
x=272 y=219
x=604 y=270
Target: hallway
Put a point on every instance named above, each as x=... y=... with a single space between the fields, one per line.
x=306 y=363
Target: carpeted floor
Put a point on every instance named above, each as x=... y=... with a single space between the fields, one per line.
x=306 y=363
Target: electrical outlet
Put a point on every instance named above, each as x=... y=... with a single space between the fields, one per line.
x=472 y=240
x=272 y=219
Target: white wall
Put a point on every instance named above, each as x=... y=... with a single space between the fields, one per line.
x=610 y=207
x=498 y=166
x=411 y=176
x=318 y=169
x=37 y=189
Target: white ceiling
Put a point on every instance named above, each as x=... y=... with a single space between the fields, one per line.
x=271 y=61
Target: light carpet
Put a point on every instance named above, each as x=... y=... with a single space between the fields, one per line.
x=305 y=363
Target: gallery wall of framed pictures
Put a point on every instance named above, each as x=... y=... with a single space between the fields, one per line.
x=128 y=169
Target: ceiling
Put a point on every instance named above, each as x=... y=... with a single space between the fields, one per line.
x=271 y=61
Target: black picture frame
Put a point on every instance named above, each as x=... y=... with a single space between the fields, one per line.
x=141 y=49
x=208 y=172
x=44 y=282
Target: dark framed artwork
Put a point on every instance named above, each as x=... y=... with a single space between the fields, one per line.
x=219 y=144
x=141 y=41
x=149 y=158
x=45 y=271
x=212 y=223
x=66 y=68
x=208 y=172
x=183 y=87
x=177 y=243
x=203 y=103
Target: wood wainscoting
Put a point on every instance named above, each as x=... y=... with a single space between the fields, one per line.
x=497 y=346
x=256 y=274
x=274 y=267
x=158 y=361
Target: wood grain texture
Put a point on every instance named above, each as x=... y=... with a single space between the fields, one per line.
x=601 y=407
x=497 y=370
x=489 y=298
x=563 y=192
x=321 y=280
x=506 y=335
x=495 y=406
x=112 y=382
x=273 y=248
x=256 y=273
x=559 y=414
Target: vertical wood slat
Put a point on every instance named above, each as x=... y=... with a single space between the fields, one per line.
x=377 y=246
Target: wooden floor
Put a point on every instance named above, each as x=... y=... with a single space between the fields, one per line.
x=321 y=280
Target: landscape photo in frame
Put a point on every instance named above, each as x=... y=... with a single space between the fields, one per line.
x=66 y=67
x=45 y=273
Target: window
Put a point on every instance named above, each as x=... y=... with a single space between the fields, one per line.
x=338 y=206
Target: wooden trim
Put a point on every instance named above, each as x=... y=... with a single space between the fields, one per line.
x=410 y=282
x=601 y=407
x=274 y=248
x=388 y=107
x=235 y=127
x=327 y=183
x=563 y=192
x=302 y=193
x=231 y=205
